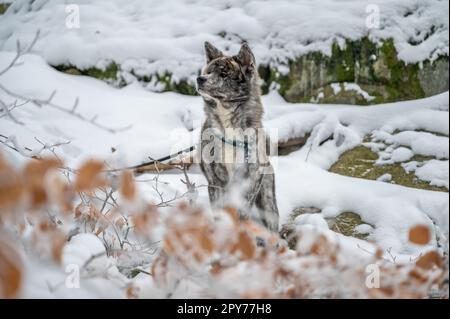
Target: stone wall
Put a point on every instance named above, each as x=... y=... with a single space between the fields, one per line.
x=375 y=68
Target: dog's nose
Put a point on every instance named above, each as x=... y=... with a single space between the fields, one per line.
x=201 y=80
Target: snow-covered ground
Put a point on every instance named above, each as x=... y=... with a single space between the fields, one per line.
x=153 y=36
x=165 y=123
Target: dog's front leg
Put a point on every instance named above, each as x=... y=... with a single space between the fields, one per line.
x=246 y=181
x=217 y=180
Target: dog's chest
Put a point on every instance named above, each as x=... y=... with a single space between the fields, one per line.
x=225 y=115
x=231 y=157
x=229 y=154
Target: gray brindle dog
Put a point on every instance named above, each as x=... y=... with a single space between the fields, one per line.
x=238 y=164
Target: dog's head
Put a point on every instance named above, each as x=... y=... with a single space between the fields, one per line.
x=225 y=78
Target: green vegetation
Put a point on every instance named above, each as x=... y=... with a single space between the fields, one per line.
x=108 y=74
x=182 y=87
x=346 y=224
x=360 y=162
x=4 y=7
x=111 y=73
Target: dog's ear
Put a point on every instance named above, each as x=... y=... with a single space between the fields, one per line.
x=212 y=52
x=246 y=58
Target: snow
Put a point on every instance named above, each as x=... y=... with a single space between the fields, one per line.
x=436 y=172
x=311 y=219
x=356 y=88
x=364 y=229
x=385 y=178
x=421 y=143
x=392 y=209
x=336 y=88
x=54 y=282
x=401 y=154
x=163 y=123
x=150 y=36
x=151 y=115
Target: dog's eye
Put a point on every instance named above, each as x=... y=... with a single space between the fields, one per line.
x=223 y=74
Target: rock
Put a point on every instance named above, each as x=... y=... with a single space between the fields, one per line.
x=375 y=68
x=292 y=145
x=288 y=231
x=73 y=71
x=434 y=77
x=305 y=210
x=348 y=224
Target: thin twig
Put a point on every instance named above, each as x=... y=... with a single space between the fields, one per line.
x=72 y=111
x=20 y=53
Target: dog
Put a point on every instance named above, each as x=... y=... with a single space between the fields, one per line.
x=233 y=145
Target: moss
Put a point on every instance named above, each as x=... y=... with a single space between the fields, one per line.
x=110 y=72
x=4 y=7
x=182 y=87
x=346 y=224
x=343 y=62
x=360 y=162
x=404 y=82
x=268 y=76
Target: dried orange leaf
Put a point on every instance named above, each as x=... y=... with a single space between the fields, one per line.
x=10 y=270
x=429 y=260
x=132 y=292
x=58 y=243
x=420 y=235
x=246 y=245
x=233 y=212
x=11 y=188
x=89 y=176
x=206 y=243
x=321 y=246
x=34 y=175
x=128 y=188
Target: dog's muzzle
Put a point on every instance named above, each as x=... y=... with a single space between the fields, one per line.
x=201 y=80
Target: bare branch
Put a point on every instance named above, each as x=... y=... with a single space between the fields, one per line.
x=20 y=53
x=4 y=108
x=49 y=101
x=9 y=108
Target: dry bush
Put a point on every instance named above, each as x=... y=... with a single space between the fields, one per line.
x=215 y=253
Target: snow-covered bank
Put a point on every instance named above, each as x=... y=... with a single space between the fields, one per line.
x=151 y=36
